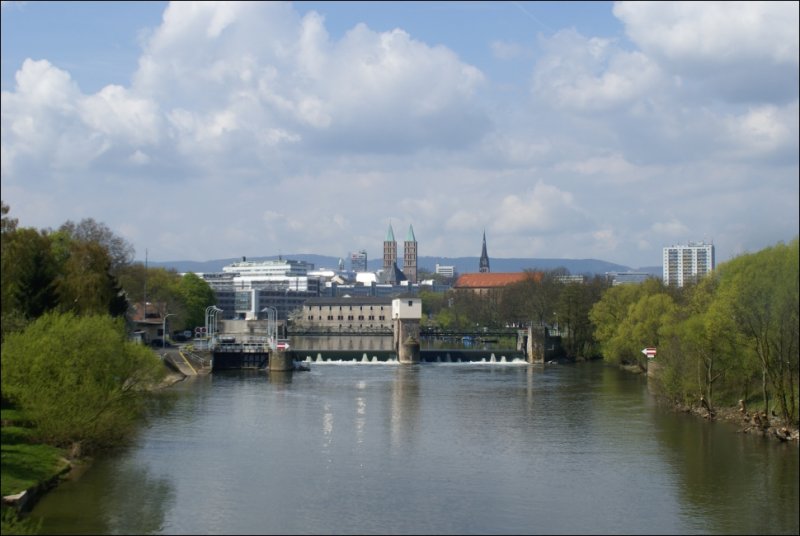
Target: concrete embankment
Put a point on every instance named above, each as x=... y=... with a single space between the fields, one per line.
x=186 y=362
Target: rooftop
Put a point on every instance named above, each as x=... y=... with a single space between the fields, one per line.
x=494 y=280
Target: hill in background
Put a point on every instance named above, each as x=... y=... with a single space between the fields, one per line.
x=463 y=265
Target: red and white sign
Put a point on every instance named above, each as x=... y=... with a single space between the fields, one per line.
x=283 y=346
x=649 y=352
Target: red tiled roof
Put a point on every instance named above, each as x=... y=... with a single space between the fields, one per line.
x=494 y=280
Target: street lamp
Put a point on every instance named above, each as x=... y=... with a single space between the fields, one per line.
x=211 y=320
x=164 y=330
x=272 y=325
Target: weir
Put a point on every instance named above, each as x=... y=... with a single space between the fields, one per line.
x=403 y=347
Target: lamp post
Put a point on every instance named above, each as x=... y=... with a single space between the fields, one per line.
x=164 y=330
x=211 y=320
x=272 y=326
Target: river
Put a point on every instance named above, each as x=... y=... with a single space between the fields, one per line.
x=467 y=448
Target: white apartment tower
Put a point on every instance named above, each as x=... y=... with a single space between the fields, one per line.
x=684 y=264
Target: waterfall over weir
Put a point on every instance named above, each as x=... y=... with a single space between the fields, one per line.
x=426 y=356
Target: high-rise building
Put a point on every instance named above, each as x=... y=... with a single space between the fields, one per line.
x=484 y=262
x=389 y=250
x=410 y=256
x=358 y=261
x=684 y=264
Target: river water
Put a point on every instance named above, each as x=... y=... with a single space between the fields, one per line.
x=464 y=448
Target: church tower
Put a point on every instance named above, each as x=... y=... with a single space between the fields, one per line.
x=410 y=256
x=389 y=250
x=484 y=263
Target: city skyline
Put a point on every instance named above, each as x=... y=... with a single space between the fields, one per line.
x=563 y=130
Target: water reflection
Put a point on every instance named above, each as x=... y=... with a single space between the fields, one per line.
x=124 y=496
x=736 y=482
x=404 y=405
x=475 y=448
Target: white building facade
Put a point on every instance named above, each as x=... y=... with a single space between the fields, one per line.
x=685 y=264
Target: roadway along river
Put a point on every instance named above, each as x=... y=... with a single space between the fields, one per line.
x=430 y=449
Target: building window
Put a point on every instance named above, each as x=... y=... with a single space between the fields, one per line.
x=350 y=317
x=361 y=317
x=340 y=317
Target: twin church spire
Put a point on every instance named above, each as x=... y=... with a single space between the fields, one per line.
x=410 y=255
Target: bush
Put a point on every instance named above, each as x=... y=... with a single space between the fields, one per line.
x=78 y=379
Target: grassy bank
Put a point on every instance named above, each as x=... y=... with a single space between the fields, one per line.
x=24 y=467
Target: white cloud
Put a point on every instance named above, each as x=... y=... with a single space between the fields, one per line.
x=671 y=229
x=543 y=209
x=117 y=114
x=744 y=51
x=277 y=136
x=714 y=32
x=763 y=130
x=592 y=74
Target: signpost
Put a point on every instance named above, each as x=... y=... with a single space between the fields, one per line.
x=649 y=352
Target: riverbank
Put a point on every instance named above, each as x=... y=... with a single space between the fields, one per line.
x=747 y=422
x=29 y=470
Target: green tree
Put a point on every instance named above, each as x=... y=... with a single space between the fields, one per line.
x=575 y=301
x=86 y=285
x=616 y=319
x=761 y=291
x=119 y=250
x=28 y=274
x=162 y=286
x=78 y=378
x=196 y=295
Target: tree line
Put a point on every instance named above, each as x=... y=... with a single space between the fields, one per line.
x=731 y=336
x=84 y=268
x=67 y=359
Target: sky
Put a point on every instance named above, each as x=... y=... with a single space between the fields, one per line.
x=602 y=130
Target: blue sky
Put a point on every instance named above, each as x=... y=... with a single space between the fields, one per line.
x=577 y=130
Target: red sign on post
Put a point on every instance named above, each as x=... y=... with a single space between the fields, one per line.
x=649 y=352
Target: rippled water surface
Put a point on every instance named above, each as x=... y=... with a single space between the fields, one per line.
x=432 y=448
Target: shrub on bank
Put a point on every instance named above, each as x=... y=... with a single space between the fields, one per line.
x=78 y=379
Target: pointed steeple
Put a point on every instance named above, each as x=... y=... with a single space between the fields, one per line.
x=484 y=262
x=410 y=235
x=390 y=234
x=410 y=256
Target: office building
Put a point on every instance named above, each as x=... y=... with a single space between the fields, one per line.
x=358 y=261
x=686 y=264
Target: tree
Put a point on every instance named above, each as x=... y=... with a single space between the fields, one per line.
x=574 y=304
x=119 y=250
x=28 y=274
x=86 y=285
x=161 y=285
x=761 y=291
x=197 y=295
x=617 y=316
x=78 y=378
x=7 y=225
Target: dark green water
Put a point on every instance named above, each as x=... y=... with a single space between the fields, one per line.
x=433 y=448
